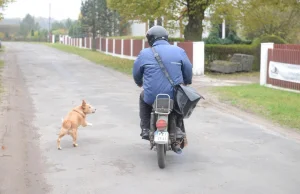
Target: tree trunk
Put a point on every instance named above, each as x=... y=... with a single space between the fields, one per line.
x=94 y=27
x=194 y=28
x=151 y=23
x=159 y=21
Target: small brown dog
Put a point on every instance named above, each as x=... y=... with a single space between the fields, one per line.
x=73 y=120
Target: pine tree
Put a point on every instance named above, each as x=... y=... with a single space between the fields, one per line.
x=97 y=19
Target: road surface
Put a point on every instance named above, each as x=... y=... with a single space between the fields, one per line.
x=225 y=155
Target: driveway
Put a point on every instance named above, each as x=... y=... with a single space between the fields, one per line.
x=225 y=155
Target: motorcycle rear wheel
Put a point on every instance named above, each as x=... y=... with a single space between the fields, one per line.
x=161 y=155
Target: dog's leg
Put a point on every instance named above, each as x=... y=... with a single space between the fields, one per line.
x=61 y=134
x=74 y=136
x=85 y=123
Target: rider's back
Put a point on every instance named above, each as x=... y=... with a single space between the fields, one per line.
x=176 y=63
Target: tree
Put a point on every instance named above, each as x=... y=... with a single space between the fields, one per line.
x=257 y=18
x=124 y=27
x=143 y=10
x=68 y=23
x=3 y=4
x=96 y=18
x=28 y=24
x=75 y=30
x=108 y=20
x=2 y=35
x=139 y=9
x=58 y=25
x=85 y=16
x=88 y=19
x=104 y=16
x=96 y=13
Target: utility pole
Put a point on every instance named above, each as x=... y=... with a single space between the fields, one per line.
x=49 y=21
x=223 y=29
x=94 y=25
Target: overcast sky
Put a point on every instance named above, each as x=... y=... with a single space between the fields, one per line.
x=60 y=9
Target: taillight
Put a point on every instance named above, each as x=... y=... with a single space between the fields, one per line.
x=161 y=124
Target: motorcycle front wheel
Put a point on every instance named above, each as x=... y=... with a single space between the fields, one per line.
x=161 y=155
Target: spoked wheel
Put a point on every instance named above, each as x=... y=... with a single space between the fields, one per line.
x=161 y=155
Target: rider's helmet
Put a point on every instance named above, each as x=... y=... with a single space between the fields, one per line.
x=156 y=33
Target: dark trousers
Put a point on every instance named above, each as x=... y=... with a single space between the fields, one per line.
x=145 y=113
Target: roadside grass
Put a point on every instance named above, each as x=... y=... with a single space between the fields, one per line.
x=119 y=64
x=280 y=106
x=1 y=68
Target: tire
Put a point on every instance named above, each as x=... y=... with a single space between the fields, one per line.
x=161 y=155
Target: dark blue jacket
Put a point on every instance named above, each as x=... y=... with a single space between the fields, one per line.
x=147 y=72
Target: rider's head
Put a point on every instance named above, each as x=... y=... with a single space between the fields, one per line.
x=156 y=33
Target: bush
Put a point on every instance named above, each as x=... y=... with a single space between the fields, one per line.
x=232 y=37
x=224 y=52
x=171 y=39
x=256 y=45
x=268 y=38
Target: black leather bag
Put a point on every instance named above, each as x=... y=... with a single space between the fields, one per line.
x=185 y=97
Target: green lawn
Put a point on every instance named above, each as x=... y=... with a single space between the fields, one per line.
x=1 y=66
x=119 y=64
x=280 y=106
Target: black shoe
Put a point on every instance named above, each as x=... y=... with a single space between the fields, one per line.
x=176 y=149
x=145 y=134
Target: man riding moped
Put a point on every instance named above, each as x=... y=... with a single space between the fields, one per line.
x=148 y=74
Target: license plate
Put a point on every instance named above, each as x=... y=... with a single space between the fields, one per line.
x=161 y=137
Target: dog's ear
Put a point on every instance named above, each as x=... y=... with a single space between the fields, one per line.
x=83 y=103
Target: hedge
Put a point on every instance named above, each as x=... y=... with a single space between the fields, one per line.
x=171 y=39
x=257 y=43
x=225 y=52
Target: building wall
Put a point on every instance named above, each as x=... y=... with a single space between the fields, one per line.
x=138 y=29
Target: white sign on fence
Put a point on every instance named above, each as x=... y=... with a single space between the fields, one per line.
x=284 y=71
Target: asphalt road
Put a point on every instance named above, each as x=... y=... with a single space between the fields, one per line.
x=225 y=155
